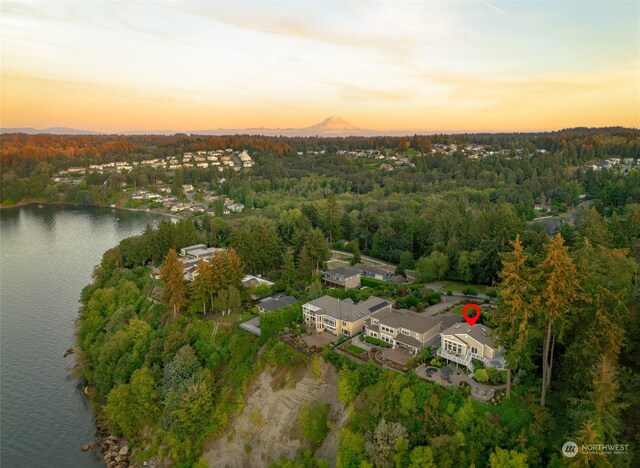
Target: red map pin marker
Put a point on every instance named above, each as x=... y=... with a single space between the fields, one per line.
x=471 y=320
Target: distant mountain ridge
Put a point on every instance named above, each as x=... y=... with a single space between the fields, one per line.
x=331 y=126
x=50 y=131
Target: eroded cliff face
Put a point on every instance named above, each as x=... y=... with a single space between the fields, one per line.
x=267 y=428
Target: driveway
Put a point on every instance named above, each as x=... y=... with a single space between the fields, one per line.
x=447 y=301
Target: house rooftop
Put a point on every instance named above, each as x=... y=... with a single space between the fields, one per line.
x=194 y=247
x=403 y=318
x=269 y=304
x=342 y=271
x=370 y=269
x=348 y=310
x=480 y=333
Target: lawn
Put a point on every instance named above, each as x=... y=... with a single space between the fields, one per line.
x=356 y=349
x=458 y=310
x=456 y=286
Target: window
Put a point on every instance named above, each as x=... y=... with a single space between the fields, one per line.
x=454 y=348
x=474 y=350
x=344 y=324
x=406 y=332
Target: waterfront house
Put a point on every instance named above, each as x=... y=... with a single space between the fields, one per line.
x=404 y=329
x=340 y=317
x=199 y=251
x=462 y=343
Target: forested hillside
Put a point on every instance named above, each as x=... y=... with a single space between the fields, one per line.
x=168 y=368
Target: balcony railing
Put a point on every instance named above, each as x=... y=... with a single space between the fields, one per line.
x=497 y=362
x=465 y=360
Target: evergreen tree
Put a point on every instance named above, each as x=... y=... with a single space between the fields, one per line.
x=316 y=250
x=258 y=244
x=234 y=300
x=331 y=219
x=174 y=292
x=289 y=272
x=560 y=290
x=512 y=321
x=221 y=302
x=201 y=286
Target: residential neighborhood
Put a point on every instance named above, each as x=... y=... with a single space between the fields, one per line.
x=340 y=317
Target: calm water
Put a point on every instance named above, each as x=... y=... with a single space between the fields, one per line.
x=46 y=257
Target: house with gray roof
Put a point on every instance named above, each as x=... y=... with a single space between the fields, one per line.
x=270 y=304
x=341 y=317
x=404 y=329
x=373 y=272
x=342 y=278
x=462 y=343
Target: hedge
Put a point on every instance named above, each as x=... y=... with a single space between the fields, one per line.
x=376 y=341
x=372 y=282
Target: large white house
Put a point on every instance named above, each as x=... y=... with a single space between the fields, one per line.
x=340 y=317
x=462 y=343
x=191 y=257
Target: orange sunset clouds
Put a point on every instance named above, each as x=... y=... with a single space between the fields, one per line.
x=415 y=66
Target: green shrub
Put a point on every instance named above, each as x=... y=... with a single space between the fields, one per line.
x=481 y=375
x=477 y=364
x=436 y=362
x=273 y=322
x=449 y=292
x=313 y=422
x=494 y=375
x=279 y=353
x=469 y=291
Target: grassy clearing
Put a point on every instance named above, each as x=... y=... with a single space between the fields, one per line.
x=456 y=286
x=356 y=349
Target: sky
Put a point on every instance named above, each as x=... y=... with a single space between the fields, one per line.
x=433 y=66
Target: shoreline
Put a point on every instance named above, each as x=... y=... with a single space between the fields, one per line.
x=48 y=203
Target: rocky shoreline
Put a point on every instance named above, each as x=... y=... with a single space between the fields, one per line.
x=114 y=454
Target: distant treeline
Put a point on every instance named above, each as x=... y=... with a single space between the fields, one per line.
x=21 y=152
